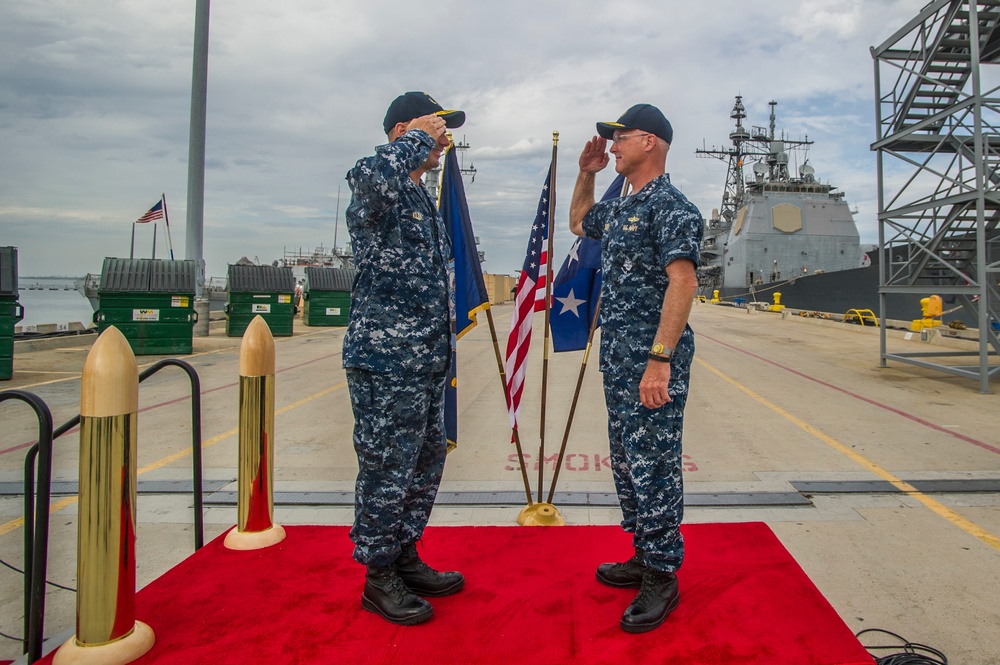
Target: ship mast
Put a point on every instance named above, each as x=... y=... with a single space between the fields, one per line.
x=770 y=168
x=761 y=144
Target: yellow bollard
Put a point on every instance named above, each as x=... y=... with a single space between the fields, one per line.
x=930 y=308
x=715 y=296
x=106 y=630
x=255 y=527
x=777 y=306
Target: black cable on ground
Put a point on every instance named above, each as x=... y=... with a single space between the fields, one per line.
x=55 y=584
x=913 y=653
x=11 y=637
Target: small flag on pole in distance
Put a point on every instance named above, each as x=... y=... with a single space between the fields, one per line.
x=154 y=213
x=469 y=292
x=529 y=298
x=577 y=288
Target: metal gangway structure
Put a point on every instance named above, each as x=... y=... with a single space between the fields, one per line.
x=938 y=154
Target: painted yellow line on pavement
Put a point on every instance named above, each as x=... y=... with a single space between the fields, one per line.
x=141 y=367
x=53 y=507
x=70 y=500
x=180 y=454
x=76 y=375
x=44 y=371
x=966 y=525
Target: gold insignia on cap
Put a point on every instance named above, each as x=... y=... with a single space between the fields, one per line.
x=417 y=216
x=633 y=219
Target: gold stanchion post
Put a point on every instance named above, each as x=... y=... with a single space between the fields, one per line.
x=106 y=630
x=255 y=527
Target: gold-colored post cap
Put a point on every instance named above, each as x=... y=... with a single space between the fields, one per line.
x=109 y=385
x=257 y=349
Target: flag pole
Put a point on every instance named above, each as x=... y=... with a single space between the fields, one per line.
x=548 y=307
x=540 y=513
x=506 y=394
x=452 y=375
x=576 y=397
x=131 y=249
x=154 y=240
x=166 y=218
x=579 y=381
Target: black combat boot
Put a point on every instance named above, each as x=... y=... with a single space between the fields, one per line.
x=423 y=580
x=625 y=575
x=658 y=597
x=386 y=595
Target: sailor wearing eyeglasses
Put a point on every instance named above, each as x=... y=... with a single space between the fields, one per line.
x=649 y=252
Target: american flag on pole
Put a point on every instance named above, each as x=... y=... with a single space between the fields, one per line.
x=154 y=213
x=529 y=298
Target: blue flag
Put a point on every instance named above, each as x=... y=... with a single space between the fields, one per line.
x=577 y=287
x=470 y=288
x=468 y=294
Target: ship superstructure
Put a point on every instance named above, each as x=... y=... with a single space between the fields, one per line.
x=778 y=224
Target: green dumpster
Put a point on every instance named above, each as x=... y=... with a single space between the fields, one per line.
x=11 y=310
x=327 y=296
x=260 y=290
x=150 y=301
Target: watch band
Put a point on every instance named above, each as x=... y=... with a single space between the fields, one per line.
x=659 y=357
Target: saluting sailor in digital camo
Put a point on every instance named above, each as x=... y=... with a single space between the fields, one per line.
x=649 y=253
x=396 y=352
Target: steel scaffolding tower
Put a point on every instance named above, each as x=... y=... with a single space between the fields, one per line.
x=938 y=153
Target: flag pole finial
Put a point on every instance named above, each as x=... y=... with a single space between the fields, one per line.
x=555 y=138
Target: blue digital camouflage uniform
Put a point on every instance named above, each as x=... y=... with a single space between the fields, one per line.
x=397 y=347
x=640 y=235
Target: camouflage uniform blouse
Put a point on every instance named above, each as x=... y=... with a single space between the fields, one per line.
x=640 y=234
x=399 y=303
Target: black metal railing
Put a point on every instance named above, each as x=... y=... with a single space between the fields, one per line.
x=36 y=523
x=36 y=508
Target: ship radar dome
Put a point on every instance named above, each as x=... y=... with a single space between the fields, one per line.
x=807 y=172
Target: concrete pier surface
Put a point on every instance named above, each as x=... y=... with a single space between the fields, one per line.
x=883 y=483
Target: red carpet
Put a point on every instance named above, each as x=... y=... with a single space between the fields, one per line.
x=530 y=596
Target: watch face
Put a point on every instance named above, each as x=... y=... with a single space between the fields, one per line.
x=657 y=348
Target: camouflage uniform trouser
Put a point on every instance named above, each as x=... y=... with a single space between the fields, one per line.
x=400 y=441
x=646 y=463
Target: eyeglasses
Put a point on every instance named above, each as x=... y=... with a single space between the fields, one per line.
x=621 y=137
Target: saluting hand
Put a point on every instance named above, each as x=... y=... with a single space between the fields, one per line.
x=594 y=156
x=432 y=124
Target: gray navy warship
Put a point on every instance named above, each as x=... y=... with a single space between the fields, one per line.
x=778 y=227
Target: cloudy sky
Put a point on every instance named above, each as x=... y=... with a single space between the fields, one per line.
x=95 y=103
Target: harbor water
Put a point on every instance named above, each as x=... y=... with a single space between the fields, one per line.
x=52 y=300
